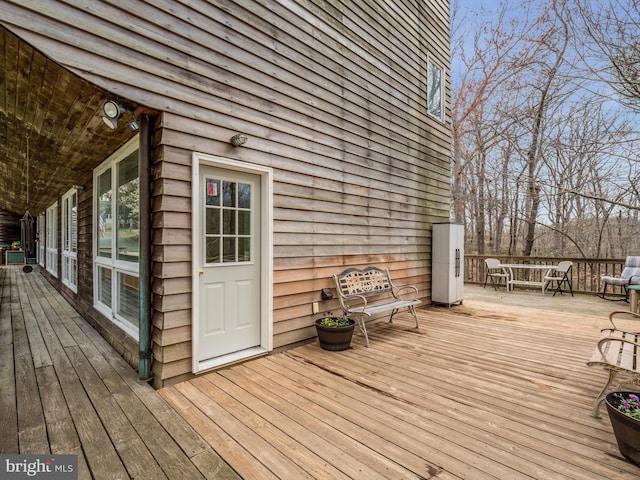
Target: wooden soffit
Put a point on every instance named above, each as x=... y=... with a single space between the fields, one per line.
x=51 y=132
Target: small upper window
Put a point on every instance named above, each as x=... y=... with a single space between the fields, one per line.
x=435 y=90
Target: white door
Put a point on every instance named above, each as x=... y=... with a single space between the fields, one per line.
x=229 y=262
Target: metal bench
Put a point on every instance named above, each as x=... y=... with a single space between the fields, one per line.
x=368 y=292
x=618 y=351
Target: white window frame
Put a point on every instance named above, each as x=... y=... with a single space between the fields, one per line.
x=70 y=240
x=41 y=238
x=431 y=64
x=51 y=240
x=114 y=264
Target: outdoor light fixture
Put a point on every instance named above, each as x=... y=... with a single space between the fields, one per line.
x=239 y=139
x=111 y=113
x=133 y=124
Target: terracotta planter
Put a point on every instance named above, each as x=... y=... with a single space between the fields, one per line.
x=625 y=428
x=335 y=338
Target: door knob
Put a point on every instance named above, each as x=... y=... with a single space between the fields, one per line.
x=200 y=272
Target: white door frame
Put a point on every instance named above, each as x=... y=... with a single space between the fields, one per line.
x=266 y=267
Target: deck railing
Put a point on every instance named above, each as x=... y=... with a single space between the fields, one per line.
x=585 y=273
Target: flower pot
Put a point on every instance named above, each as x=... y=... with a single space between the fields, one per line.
x=625 y=428
x=335 y=338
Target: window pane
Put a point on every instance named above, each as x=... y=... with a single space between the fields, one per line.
x=244 y=223
x=213 y=192
x=104 y=287
x=213 y=250
x=229 y=222
x=229 y=192
x=244 y=249
x=129 y=300
x=213 y=221
x=74 y=222
x=244 y=195
x=229 y=246
x=128 y=209
x=434 y=90
x=104 y=214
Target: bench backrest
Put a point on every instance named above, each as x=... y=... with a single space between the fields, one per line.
x=370 y=281
x=631 y=268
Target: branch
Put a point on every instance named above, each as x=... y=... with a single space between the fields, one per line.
x=606 y=200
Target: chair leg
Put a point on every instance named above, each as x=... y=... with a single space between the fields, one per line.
x=603 y=393
x=604 y=294
x=360 y=321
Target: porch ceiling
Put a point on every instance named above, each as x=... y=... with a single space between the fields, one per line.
x=51 y=133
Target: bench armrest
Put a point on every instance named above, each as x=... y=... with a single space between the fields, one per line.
x=399 y=291
x=614 y=339
x=635 y=316
x=345 y=299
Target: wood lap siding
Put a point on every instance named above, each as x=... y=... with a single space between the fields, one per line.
x=332 y=96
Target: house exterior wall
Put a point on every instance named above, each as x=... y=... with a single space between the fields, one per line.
x=332 y=97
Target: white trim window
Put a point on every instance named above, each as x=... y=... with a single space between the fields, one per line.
x=435 y=90
x=70 y=239
x=41 y=239
x=51 y=239
x=116 y=186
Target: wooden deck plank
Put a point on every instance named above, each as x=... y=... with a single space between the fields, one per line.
x=234 y=453
x=171 y=454
x=39 y=352
x=426 y=403
x=263 y=451
x=63 y=438
x=496 y=439
x=84 y=398
x=130 y=447
x=478 y=392
x=8 y=403
x=358 y=452
x=32 y=432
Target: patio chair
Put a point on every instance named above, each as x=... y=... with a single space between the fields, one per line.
x=630 y=275
x=562 y=274
x=495 y=271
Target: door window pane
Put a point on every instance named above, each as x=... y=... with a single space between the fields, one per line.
x=213 y=221
x=213 y=192
x=227 y=228
x=213 y=250
x=244 y=222
x=244 y=249
x=229 y=194
x=244 y=195
x=229 y=246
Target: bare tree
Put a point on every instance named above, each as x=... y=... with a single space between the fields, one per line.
x=544 y=162
x=611 y=46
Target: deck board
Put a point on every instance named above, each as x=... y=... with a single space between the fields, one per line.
x=66 y=391
x=485 y=390
x=480 y=391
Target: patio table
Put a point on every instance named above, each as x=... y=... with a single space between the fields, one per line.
x=511 y=281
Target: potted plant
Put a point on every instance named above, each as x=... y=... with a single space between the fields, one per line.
x=624 y=413
x=335 y=331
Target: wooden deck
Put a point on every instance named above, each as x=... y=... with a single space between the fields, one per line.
x=496 y=388
x=63 y=389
